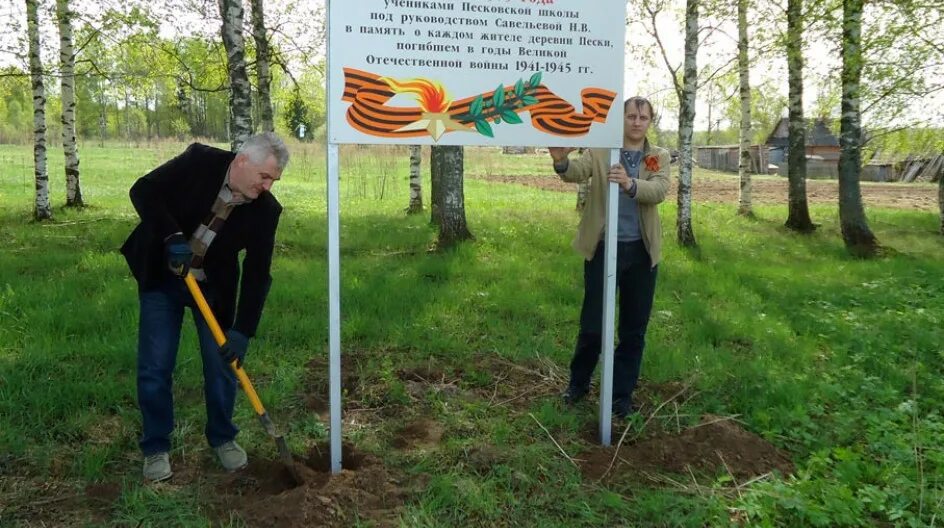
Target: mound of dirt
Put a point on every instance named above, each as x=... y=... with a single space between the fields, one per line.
x=716 y=446
x=265 y=495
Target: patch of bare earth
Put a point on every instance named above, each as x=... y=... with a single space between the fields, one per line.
x=716 y=446
x=317 y=383
x=32 y=501
x=265 y=494
x=771 y=191
x=423 y=380
x=516 y=385
x=419 y=434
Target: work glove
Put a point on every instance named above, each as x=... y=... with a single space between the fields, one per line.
x=178 y=254
x=234 y=349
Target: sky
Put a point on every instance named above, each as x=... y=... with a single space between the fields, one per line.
x=650 y=79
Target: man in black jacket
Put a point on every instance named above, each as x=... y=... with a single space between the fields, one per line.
x=198 y=211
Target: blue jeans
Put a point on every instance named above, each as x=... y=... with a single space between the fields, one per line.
x=162 y=312
x=636 y=286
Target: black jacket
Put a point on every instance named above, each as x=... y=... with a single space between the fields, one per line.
x=177 y=197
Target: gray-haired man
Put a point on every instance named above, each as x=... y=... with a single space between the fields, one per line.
x=198 y=212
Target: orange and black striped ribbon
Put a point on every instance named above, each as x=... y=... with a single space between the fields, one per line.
x=369 y=113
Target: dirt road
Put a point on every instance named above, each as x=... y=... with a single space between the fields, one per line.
x=771 y=190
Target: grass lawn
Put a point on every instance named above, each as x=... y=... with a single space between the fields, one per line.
x=785 y=383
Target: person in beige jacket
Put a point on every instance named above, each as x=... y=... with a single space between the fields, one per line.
x=643 y=178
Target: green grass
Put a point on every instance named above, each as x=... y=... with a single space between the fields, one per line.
x=836 y=360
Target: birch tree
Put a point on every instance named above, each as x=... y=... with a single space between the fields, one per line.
x=744 y=132
x=264 y=78
x=446 y=166
x=240 y=123
x=416 y=182
x=435 y=185
x=685 y=234
x=67 y=84
x=583 y=191
x=42 y=209
x=856 y=234
x=798 y=215
x=686 y=88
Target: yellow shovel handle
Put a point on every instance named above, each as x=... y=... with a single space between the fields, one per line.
x=220 y=338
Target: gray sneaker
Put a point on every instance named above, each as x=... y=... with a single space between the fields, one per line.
x=231 y=456
x=157 y=467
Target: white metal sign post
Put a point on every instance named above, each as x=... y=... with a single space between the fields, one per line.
x=609 y=304
x=473 y=72
x=334 y=308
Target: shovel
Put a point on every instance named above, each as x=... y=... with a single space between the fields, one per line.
x=284 y=454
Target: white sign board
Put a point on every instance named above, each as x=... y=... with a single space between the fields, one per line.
x=477 y=72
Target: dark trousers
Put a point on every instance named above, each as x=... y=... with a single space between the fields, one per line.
x=162 y=312
x=635 y=284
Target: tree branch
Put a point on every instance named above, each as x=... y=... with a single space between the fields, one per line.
x=705 y=80
x=665 y=57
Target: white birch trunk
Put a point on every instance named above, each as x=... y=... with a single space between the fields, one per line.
x=435 y=185
x=686 y=236
x=447 y=162
x=855 y=227
x=42 y=208
x=240 y=105
x=264 y=78
x=583 y=191
x=128 y=131
x=416 y=182
x=102 y=114
x=744 y=68
x=67 y=69
x=710 y=108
